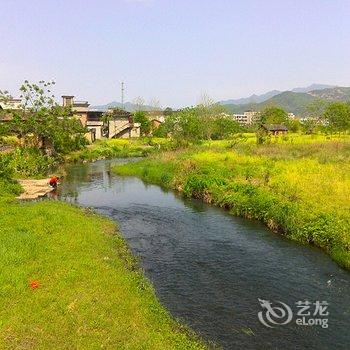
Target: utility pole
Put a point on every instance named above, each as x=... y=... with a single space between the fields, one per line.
x=123 y=89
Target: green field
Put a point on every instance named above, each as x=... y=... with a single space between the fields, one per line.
x=91 y=293
x=297 y=185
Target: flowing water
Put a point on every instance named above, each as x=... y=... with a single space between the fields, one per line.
x=209 y=268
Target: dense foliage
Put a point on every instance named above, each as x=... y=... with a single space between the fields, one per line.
x=204 y=122
x=141 y=117
x=27 y=162
x=273 y=115
x=337 y=115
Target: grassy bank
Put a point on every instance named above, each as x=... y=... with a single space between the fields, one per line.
x=20 y=162
x=68 y=281
x=300 y=189
x=117 y=148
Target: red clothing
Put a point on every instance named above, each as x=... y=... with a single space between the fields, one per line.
x=53 y=181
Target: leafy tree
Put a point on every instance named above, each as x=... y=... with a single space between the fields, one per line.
x=208 y=111
x=273 y=115
x=294 y=125
x=161 y=131
x=141 y=117
x=208 y=120
x=337 y=115
x=42 y=123
x=185 y=124
x=224 y=127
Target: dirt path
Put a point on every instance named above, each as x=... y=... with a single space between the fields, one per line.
x=34 y=188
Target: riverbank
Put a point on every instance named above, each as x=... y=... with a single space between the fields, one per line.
x=117 y=148
x=30 y=162
x=301 y=190
x=33 y=189
x=69 y=281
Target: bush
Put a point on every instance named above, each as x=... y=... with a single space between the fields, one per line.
x=26 y=162
x=6 y=171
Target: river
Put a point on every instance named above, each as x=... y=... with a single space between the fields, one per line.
x=210 y=269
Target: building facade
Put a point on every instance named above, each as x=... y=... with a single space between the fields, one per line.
x=121 y=124
x=80 y=108
x=247 y=118
x=13 y=103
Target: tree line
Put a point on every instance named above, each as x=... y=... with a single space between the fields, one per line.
x=210 y=120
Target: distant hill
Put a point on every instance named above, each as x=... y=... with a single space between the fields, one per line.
x=295 y=102
x=334 y=94
x=264 y=97
x=128 y=106
x=251 y=99
x=312 y=87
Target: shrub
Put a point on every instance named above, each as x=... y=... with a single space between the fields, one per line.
x=6 y=171
x=30 y=162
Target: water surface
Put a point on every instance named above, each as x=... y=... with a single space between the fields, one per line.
x=210 y=268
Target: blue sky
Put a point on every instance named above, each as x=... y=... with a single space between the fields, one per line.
x=174 y=50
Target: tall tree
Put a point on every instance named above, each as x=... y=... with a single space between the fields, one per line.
x=337 y=114
x=141 y=117
x=208 y=110
x=273 y=115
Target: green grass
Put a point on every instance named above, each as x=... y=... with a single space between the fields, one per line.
x=300 y=189
x=117 y=148
x=91 y=293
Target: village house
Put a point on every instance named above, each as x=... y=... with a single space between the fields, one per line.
x=121 y=124
x=80 y=111
x=247 y=118
x=156 y=120
x=80 y=108
x=275 y=129
x=95 y=124
x=117 y=124
x=13 y=103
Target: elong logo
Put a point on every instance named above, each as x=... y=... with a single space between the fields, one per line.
x=278 y=313
x=274 y=315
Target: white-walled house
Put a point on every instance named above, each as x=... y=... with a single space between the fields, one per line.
x=247 y=118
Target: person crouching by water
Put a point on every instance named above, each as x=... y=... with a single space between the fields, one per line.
x=54 y=182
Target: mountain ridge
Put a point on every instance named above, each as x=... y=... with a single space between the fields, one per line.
x=267 y=95
x=295 y=102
